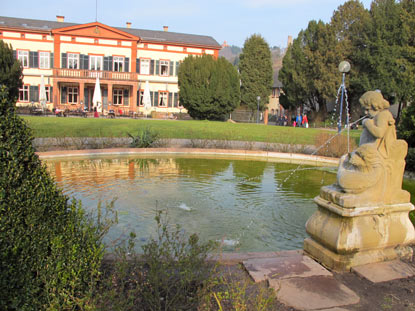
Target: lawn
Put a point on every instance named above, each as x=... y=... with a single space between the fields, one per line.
x=84 y=127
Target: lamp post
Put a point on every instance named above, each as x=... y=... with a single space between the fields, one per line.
x=258 y=98
x=344 y=67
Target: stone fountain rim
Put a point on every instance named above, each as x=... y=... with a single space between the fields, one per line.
x=250 y=154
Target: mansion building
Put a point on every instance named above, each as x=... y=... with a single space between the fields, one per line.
x=71 y=56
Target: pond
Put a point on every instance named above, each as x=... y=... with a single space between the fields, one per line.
x=248 y=205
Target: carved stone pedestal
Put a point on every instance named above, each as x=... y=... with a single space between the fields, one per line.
x=342 y=237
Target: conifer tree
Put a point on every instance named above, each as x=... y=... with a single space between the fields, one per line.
x=255 y=67
x=209 y=88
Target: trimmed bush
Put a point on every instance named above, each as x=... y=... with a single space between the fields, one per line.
x=50 y=253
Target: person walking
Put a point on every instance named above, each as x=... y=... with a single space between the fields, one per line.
x=298 y=120
x=304 y=123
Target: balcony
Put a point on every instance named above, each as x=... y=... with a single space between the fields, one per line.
x=92 y=74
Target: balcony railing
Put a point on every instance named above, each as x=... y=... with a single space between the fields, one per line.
x=92 y=74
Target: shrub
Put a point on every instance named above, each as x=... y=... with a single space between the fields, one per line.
x=406 y=127
x=50 y=253
x=172 y=273
x=146 y=138
x=410 y=160
x=332 y=145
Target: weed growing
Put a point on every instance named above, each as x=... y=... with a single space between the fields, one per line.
x=146 y=138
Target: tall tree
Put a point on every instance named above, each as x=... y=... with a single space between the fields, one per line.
x=255 y=67
x=387 y=57
x=209 y=88
x=10 y=71
x=309 y=74
x=350 y=22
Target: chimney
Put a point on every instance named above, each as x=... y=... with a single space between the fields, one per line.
x=289 y=41
x=60 y=18
x=166 y=28
x=128 y=24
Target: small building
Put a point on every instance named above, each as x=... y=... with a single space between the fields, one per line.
x=71 y=56
x=274 y=107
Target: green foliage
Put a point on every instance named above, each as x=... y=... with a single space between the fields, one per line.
x=10 y=71
x=379 y=44
x=255 y=67
x=50 y=252
x=209 y=88
x=406 y=127
x=309 y=74
x=172 y=274
x=410 y=160
x=146 y=138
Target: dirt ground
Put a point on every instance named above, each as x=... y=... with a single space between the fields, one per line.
x=393 y=295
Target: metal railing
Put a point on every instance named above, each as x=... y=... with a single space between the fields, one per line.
x=92 y=74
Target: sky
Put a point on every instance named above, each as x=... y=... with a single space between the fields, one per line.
x=232 y=21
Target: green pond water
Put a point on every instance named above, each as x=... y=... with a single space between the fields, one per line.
x=248 y=205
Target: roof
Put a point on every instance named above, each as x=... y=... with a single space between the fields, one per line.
x=145 y=35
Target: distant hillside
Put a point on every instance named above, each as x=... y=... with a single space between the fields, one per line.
x=231 y=53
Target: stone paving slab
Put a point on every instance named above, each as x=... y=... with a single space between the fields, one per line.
x=385 y=271
x=288 y=265
x=313 y=293
x=301 y=282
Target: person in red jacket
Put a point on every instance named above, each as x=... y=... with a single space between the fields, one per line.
x=304 y=122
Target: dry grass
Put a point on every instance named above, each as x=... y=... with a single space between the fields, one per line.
x=333 y=145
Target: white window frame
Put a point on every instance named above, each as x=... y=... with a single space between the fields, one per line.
x=164 y=71
x=47 y=89
x=24 y=93
x=72 y=95
x=117 y=97
x=73 y=61
x=163 y=98
x=23 y=56
x=44 y=60
x=145 y=66
x=95 y=62
x=118 y=63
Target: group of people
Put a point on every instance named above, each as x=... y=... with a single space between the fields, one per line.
x=301 y=121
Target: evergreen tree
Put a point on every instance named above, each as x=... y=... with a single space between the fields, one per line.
x=10 y=71
x=49 y=252
x=255 y=67
x=209 y=87
x=309 y=74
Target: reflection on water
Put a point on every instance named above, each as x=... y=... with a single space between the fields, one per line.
x=246 y=204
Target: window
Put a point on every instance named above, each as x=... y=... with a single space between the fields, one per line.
x=72 y=95
x=23 y=56
x=164 y=68
x=95 y=62
x=118 y=63
x=141 y=98
x=145 y=66
x=24 y=93
x=47 y=89
x=163 y=99
x=44 y=60
x=73 y=61
x=22 y=35
x=117 y=96
x=44 y=37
